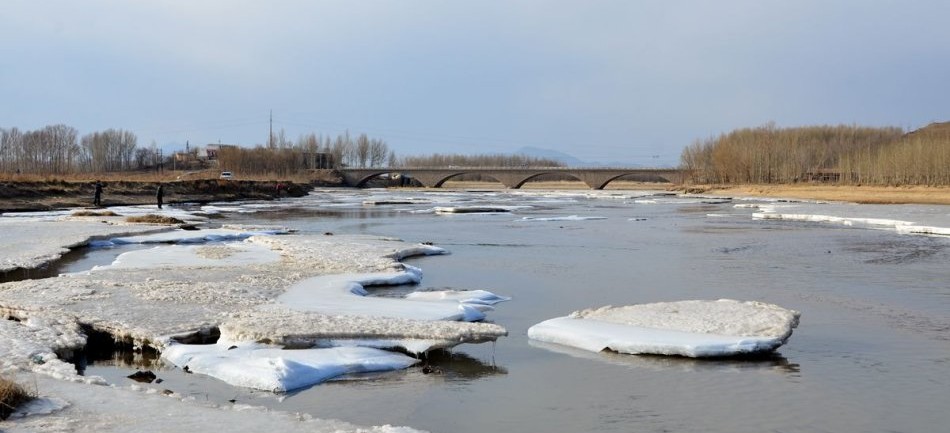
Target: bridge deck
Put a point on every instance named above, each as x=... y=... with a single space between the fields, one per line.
x=511 y=177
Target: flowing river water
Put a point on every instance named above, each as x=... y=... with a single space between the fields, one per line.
x=872 y=351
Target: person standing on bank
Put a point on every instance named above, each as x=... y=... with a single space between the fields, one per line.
x=97 y=197
x=160 y=194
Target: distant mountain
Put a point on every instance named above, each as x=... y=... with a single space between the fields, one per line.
x=568 y=160
x=537 y=152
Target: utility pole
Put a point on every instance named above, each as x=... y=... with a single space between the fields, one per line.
x=270 y=135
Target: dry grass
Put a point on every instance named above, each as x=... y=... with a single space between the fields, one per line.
x=12 y=395
x=154 y=219
x=92 y=213
x=866 y=194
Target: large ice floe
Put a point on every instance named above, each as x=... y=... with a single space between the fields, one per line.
x=30 y=242
x=74 y=407
x=271 y=368
x=155 y=296
x=685 y=328
x=773 y=212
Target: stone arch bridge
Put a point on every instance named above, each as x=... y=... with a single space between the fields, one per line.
x=514 y=177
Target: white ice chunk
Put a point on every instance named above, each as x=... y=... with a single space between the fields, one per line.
x=278 y=370
x=192 y=236
x=118 y=409
x=686 y=328
x=462 y=296
x=345 y=294
x=902 y=227
x=564 y=218
x=180 y=256
x=470 y=209
x=30 y=243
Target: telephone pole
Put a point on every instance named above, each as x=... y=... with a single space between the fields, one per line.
x=270 y=135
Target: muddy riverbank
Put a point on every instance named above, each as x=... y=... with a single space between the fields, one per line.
x=18 y=196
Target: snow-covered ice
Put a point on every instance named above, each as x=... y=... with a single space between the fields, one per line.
x=148 y=297
x=470 y=209
x=72 y=407
x=686 y=328
x=180 y=236
x=564 y=218
x=772 y=212
x=270 y=368
x=346 y=294
x=30 y=243
x=194 y=256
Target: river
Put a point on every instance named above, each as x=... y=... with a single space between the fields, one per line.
x=872 y=351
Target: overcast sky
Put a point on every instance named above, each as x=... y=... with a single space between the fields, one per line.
x=628 y=81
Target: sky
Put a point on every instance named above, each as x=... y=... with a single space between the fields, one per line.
x=625 y=81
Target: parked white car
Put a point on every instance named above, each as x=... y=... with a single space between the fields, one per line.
x=226 y=175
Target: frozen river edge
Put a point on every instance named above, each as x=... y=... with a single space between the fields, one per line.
x=157 y=305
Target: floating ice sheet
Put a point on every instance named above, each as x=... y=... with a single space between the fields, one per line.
x=190 y=236
x=900 y=226
x=30 y=243
x=686 y=328
x=564 y=218
x=105 y=409
x=471 y=209
x=345 y=294
x=180 y=256
x=274 y=369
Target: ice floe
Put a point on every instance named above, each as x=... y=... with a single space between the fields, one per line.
x=564 y=218
x=275 y=369
x=470 y=209
x=30 y=244
x=190 y=236
x=346 y=294
x=221 y=254
x=68 y=407
x=900 y=226
x=148 y=305
x=685 y=328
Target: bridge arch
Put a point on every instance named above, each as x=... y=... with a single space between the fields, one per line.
x=602 y=183
x=524 y=180
x=440 y=180
x=366 y=177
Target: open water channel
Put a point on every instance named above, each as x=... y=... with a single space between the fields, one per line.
x=872 y=351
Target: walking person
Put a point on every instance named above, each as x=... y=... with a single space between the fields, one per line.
x=97 y=197
x=160 y=194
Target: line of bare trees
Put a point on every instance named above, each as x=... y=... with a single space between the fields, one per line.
x=57 y=149
x=282 y=156
x=844 y=154
x=488 y=160
x=919 y=158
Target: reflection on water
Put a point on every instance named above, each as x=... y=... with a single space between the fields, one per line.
x=763 y=362
x=459 y=366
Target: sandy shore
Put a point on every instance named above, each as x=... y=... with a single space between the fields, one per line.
x=856 y=194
